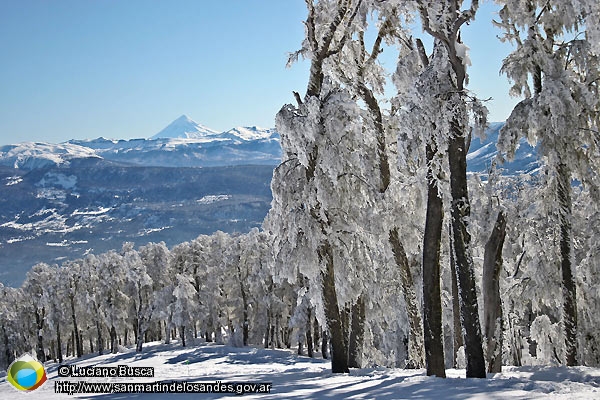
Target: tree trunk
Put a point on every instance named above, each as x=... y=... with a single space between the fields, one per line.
x=72 y=340
x=9 y=358
x=39 y=319
x=316 y=333
x=492 y=304
x=113 y=340
x=99 y=340
x=432 y=300
x=182 y=335
x=245 y=307
x=309 y=338
x=168 y=327
x=277 y=332
x=268 y=330
x=461 y=212
x=135 y=324
x=415 y=342
x=568 y=280
x=59 y=343
x=339 y=351
x=139 y=336
x=324 y=345
x=457 y=327
x=78 y=343
x=357 y=333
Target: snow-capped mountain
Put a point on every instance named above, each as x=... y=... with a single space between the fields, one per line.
x=184 y=143
x=192 y=145
x=60 y=201
x=184 y=128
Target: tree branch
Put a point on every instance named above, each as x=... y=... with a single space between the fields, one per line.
x=310 y=26
x=346 y=34
x=465 y=17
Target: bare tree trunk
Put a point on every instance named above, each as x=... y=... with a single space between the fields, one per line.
x=78 y=343
x=415 y=342
x=357 y=333
x=316 y=333
x=461 y=211
x=182 y=335
x=568 y=280
x=139 y=336
x=309 y=338
x=432 y=299
x=278 y=332
x=339 y=350
x=113 y=340
x=39 y=319
x=99 y=340
x=457 y=327
x=59 y=343
x=168 y=330
x=492 y=304
x=245 y=323
x=325 y=345
x=268 y=330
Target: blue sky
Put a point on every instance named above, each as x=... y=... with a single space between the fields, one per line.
x=127 y=68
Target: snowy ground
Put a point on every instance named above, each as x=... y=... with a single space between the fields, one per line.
x=295 y=377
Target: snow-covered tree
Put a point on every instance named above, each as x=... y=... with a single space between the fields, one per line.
x=156 y=258
x=111 y=294
x=138 y=287
x=561 y=113
x=323 y=124
x=11 y=329
x=35 y=290
x=443 y=21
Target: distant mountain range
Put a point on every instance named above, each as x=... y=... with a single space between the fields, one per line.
x=183 y=143
x=62 y=201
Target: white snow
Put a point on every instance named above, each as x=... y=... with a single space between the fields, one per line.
x=462 y=52
x=13 y=180
x=99 y=211
x=250 y=133
x=213 y=198
x=297 y=377
x=152 y=230
x=29 y=155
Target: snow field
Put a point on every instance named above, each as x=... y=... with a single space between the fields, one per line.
x=298 y=377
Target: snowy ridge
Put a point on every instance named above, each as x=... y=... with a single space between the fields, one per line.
x=251 y=133
x=483 y=152
x=30 y=155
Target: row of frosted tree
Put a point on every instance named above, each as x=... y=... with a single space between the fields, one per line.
x=379 y=247
x=373 y=181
